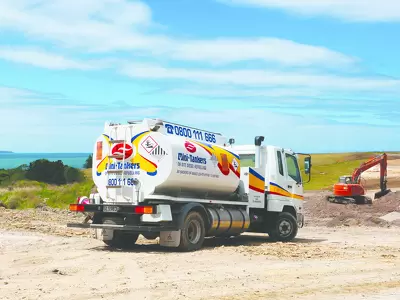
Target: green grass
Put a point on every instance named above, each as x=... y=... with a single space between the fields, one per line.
x=31 y=194
x=327 y=168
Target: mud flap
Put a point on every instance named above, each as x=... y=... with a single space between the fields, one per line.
x=104 y=234
x=170 y=238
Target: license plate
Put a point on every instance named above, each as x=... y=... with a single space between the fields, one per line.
x=110 y=208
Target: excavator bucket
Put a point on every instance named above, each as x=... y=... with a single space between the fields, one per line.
x=382 y=193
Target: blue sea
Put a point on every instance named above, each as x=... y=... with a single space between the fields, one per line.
x=13 y=160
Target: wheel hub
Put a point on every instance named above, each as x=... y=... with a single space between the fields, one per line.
x=194 y=231
x=285 y=228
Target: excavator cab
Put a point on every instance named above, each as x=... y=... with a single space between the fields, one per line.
x=345 y=179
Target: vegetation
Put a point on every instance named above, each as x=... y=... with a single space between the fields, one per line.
x=57 y=185
x=43 y=183
x=88 y=162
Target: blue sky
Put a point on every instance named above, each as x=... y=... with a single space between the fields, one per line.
x=314 y=76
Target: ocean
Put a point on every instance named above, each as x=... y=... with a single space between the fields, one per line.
x=13 y=160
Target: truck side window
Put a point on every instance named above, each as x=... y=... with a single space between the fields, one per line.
x=280 y=165
x=293 y=167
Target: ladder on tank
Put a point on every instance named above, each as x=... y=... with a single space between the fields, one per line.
x=115 y=170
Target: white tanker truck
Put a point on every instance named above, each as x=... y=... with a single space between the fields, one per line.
x=182 y=184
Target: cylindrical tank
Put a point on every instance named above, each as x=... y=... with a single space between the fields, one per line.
x=157 y=164
x=227 y=221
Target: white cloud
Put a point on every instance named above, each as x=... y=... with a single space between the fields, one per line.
x=240 y=93
x=10 y=93
x=258 y=78
x=282 y=51
x=43 y=59
x=350 y=10
x=115 y=25
x=82 y=123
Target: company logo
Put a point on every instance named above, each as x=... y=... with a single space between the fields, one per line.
x=119 y=150
x=190 y=147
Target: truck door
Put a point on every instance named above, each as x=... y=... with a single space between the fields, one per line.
x=293 y=177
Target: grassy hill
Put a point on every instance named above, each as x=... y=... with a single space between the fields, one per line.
x=23 y=193
x=326 y=169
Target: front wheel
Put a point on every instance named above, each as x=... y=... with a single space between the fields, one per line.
x=284 y=228
x=192 y=232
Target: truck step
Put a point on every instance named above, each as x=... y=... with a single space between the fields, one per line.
x=117 y=141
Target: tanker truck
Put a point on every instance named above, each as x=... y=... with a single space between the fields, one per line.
x=181 y=184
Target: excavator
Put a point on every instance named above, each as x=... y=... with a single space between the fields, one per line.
x=349 y=188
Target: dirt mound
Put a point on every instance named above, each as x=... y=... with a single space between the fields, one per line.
x=319 y=211
x=45 y=220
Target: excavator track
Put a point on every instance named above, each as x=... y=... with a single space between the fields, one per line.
x=349 y=200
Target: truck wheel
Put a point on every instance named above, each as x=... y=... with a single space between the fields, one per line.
x=192 y=232
x=121 y=239
x=285 y=228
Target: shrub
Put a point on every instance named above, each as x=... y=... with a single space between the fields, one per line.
x=88 y=162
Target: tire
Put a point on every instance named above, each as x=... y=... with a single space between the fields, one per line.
x=192 y=232
x=121 y=239
x=151 y=236
x=285 y=228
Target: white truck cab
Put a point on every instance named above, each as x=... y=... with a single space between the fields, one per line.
x=182 y=184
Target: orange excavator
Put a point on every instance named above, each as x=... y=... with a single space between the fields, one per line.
x=349 y=188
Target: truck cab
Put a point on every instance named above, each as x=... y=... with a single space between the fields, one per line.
x=272 y=180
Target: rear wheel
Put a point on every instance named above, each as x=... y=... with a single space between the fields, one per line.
x=285 y=228
x=120 y=238
x=192 y=232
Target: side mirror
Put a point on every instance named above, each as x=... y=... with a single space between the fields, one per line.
x=307 y=165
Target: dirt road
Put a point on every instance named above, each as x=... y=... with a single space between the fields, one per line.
x=344 y=252
x=355 y=263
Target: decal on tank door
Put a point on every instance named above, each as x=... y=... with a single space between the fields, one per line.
x=131 y=168
x=135 y=164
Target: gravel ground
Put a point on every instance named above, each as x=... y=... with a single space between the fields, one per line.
x=332 y=258
x=321 y=212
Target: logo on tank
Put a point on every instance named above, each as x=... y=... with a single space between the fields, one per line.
x=118 y=149
x=190 y=147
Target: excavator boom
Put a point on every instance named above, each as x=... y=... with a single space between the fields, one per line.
x=380 y=159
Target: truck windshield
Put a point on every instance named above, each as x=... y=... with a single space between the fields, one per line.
x=247 y=160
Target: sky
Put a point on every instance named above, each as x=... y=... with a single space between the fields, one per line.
x=311 y=75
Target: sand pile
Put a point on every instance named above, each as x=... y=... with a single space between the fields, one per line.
x=321 y=212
